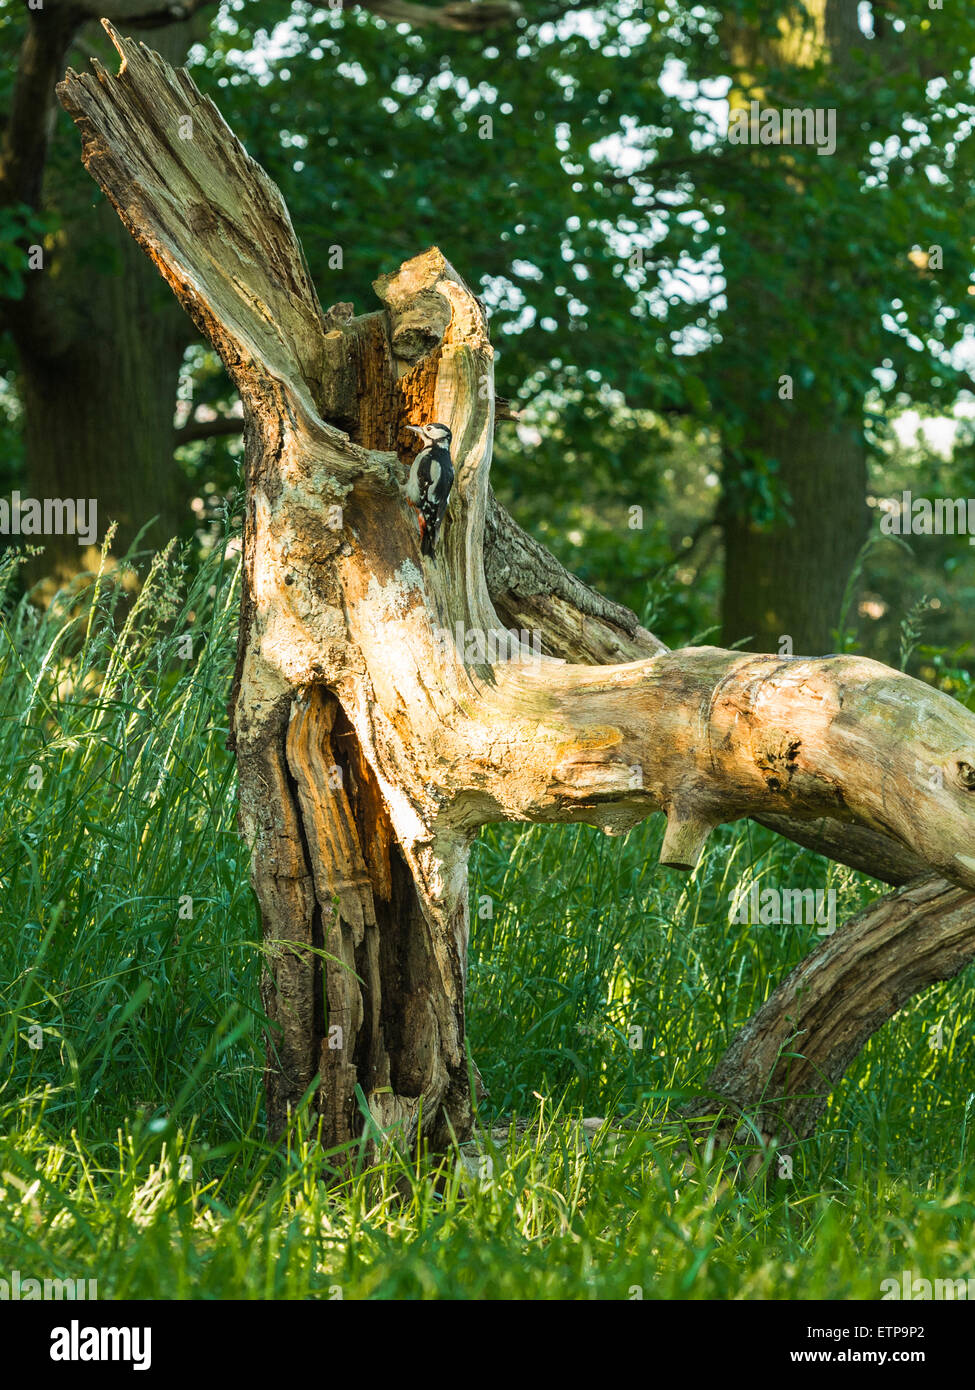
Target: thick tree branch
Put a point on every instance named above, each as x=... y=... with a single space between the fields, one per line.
x=208 y=429
x=785 y=1061
x=531 y=590
x=227 y=248
x=711 y=736
x=27 y=132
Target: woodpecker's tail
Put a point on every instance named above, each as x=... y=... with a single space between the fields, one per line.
x=428 y=540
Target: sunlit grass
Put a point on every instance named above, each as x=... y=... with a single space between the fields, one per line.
x=132 y=1147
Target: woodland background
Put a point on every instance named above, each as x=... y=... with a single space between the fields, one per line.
x=649 y=285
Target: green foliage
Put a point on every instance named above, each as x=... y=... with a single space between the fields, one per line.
x=20 y=225
x=131 y=1146
x=644 y=275
x=117 y=790
x=598 y=275
x=897 y=573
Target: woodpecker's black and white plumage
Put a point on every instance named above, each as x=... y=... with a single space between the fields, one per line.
x=430 y=481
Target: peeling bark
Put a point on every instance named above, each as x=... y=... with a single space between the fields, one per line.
x=382 y=710
x=530 y=590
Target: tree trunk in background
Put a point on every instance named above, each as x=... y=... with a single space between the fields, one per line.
x=99 y=341
x=98 y=416
x=787 y=578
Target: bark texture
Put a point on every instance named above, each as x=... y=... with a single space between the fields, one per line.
x=788 y=577
x=774 y=1081
x=383 y=709
x=530 y=589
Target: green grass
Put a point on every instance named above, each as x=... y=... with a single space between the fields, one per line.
x=131 y=1137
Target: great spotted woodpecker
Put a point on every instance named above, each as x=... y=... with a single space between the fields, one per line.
x=430 y=481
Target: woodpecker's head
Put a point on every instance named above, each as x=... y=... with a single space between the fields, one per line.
x=432 y=434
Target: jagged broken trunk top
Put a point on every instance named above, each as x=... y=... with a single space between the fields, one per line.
x=371 y=743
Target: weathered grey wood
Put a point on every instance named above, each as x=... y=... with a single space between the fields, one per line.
x=784 y=1062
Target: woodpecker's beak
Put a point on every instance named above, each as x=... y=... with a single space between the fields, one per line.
x=417 y=429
